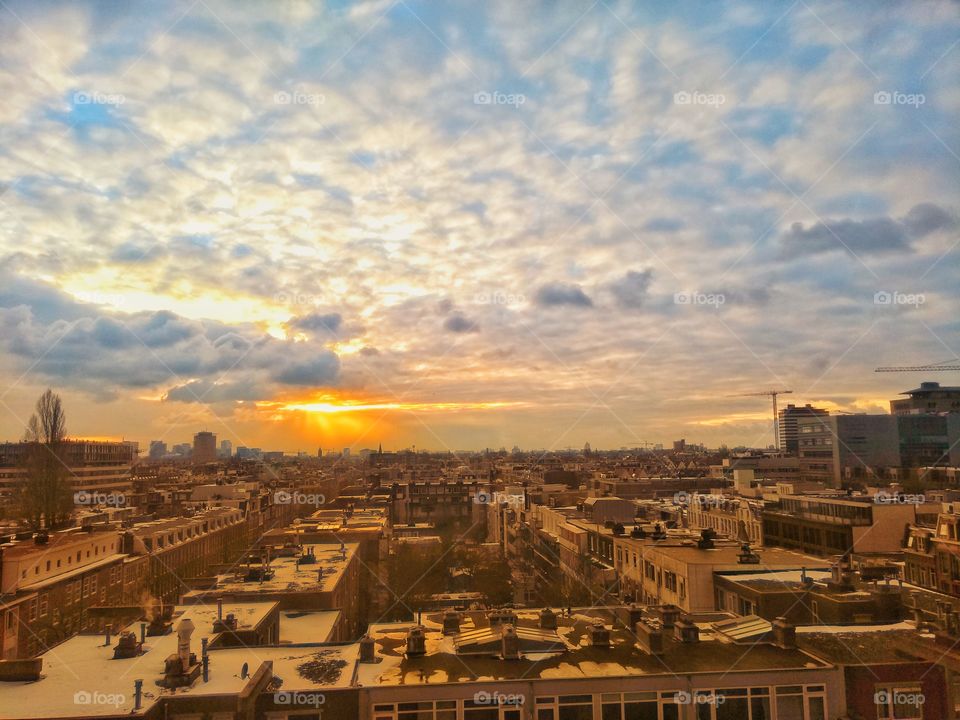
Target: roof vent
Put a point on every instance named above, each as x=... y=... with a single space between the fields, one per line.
x=686 y=631
x=784 y=634
x=451 y=622
x=502 y=616
x=747 y=556
x=649 y=637
x=416 y=642
x=669 y=614
x=548 y=619
x=509 y=643
x=127 y=646
x=706 y=539
x=599 y=634
x=368 y=650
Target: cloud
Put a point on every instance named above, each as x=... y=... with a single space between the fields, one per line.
x=874 y=236
x=554 y=294
x=459 y=323
x=317 y=323
x=631 y=290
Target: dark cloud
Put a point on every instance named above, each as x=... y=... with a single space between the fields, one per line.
x=317 y=323
x=97 y=351
x=317 y=371
x=631 y=290
x=926 y=218
x=873 y=236
x=553 y=294
x=459 y=323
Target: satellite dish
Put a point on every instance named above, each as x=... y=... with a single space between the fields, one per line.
x=244 y=671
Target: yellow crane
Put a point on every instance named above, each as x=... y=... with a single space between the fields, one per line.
x=776 y=419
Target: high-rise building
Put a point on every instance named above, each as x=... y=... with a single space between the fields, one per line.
x=930 y=397
x=204 y=447
x=158 y=448
x=226 y=449
x=788 y=417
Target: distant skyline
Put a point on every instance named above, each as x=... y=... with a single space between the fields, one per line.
x=467 y=225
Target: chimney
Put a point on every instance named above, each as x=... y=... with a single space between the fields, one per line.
x=599 y=634
x=669 y=614
x=107 y=639
x=548 y=619
x=137 y=694
x=509 y=642
x=784 y=634
x=649 y=637
x=416 y=642
x=219 y=608
x=368 y=650
x=686 y=631
x=451 y=622
x=629 y=615
x=143 y=632
x=184 y=631
x=206 y=660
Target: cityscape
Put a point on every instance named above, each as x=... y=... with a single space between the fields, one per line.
x=513 y=360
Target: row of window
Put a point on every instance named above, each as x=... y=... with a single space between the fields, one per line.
x=792 y=702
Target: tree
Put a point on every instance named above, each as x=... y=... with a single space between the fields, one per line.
x=44 y=495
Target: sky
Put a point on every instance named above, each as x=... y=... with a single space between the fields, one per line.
x=463 y=225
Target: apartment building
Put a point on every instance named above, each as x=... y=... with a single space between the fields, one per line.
x=932 y=555
x=49 y=585
x=96 y=468
x=678 y=570
x=181 y=549
x=930 y=397
x=827 y=525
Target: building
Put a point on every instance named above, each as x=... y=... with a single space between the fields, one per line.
x=788 y=417
x=932 y=555
x=735 y=518
x=98 y=469
x=835 y=448
x=828 y=525
x=841 y=449
x=158 y=448
x=48 y=586
x=676 y=570
x=181 y=549
x=930 y=397
x=319 y=577
x=226 y=449
x=204 y=447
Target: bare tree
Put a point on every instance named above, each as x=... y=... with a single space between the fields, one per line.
x=44 y=495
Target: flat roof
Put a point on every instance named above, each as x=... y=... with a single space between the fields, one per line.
x=298 y=626
x=287 y=575
x=578 y=659
x=84 y=667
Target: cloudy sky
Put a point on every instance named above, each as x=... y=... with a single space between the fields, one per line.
x=458 y=225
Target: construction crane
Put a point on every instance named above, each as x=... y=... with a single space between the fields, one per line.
x=776 y=420
x=934 y=367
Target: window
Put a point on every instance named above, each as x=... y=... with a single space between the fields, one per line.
x=43 y=605
x=425 y=710
x=639 y=706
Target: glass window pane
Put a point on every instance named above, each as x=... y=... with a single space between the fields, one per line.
x=610 y=712
x=760 y=708
x=671 y=712
x=545 y=714
x=790 y=707
x=815 y=709
x=640 y=711
x=576 y=712
x=566 y=699
x=732 y=709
